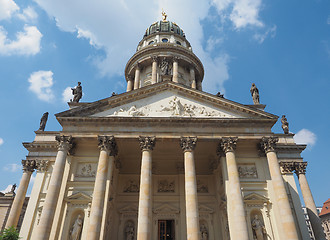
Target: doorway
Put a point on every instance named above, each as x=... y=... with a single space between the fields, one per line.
x=166 y=230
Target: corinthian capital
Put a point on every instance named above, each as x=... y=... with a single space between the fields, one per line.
x=287 y=167
x=154 y=58
x=268 y=144
x=300 y=167
x=228 y=144
x=147 y=143
x=42 y=165
x=28 y=165
x=64 y=142
x=188 y=143
x=108 y=144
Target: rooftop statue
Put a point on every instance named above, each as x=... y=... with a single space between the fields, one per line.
x=77 y=93
x=219 y=95
x=285 y=124
x=43 y=121
x=255 y=94
x=164 y=15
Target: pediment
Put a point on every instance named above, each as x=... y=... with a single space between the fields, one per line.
x=79 y=196
x=205 y=209
x=166 y=100
x=256 y=198
x=166 y=208
x=129 y=209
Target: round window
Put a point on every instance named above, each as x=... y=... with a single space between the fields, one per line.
x=164 y=40
x=151 y=42
x=177 y=42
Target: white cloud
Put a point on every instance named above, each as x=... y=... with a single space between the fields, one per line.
x=328 y=20
x=26 y=43
x=1 y=141
x=88 y=35
x=304 y=136
x=12 y=167
x=28 y=14
x=7 y=9
x=260 y=37
x=41 y=83
x=7 y=189
x=67 y=95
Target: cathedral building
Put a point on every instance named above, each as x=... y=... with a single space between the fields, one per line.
x=164 y=160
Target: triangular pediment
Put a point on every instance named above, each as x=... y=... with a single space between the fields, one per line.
x=255 y=197
x=166 y=208
x=205 y=209
x=79 y=196
x=166 y=100
x=129 y=209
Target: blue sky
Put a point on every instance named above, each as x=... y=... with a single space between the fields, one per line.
x=282 y=46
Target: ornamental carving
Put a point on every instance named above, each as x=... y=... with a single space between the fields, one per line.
x=147 y=143
x=86 y=170
x=28 y=165
x=188 y=143
x=165 y=186
x=228 y=144
x=64 y=143
x=300 y=167
x=42 y=165
x=247 y=171
x=287 y=167
x=108 y=144
x=202 y=187
x=132 y=186
x=268 y=144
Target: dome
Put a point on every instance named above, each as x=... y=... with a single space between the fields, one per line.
x=164 y=27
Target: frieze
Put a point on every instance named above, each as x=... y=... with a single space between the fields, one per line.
x=165 y=186
x=132 y=186
x=247 y=171
x=202 y=187
x=86 y=170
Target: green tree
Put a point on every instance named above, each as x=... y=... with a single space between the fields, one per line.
x=9 y=234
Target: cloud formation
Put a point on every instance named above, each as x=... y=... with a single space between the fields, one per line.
x=28 y=14
x=1 y=141
x=304 y=136
x=41 y=83
x=7 y=189
x=26 y=43
x=12 y=167
x=67 y=95
x=7 y=9
x=260 y=37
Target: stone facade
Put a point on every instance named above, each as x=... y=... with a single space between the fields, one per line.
x=164 y=160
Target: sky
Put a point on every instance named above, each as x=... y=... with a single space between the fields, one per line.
x=283 y=47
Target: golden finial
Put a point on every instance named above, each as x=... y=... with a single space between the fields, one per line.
x=164 y=15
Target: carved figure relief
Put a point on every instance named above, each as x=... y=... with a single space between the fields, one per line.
x=132 y=187
x=166 y=186
x=129 y=231
x=202 y=187
x=247 y=171
x=75 y=231
x=259 y=231
x=204 y=232
x=86 y=170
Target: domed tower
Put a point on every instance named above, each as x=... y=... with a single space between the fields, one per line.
x=164 y=54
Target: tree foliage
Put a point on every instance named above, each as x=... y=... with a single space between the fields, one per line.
x=9 y=234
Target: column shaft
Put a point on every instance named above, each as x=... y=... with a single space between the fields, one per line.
x=49 y=207
x=154 y=72
x=175 y=71
x=105 y=164
x=18 y=202
x=236 y=213
x=137 y=78
x=192 y=78
x=199 y=85
x=144 y=217
x=310 y=206
x=282 y=197
x=129 y=85
x=192 y=215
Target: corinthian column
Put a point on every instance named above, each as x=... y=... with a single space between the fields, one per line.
x=129 y=84
x=175 y=69
x=47 y=216
x=108 y=151
x=300 y=170
x=15 y=211
x=192 y=216
x=137 y=77
x=268 y=145
x=144 y=216
x=236 y=213
x=192 y=78
x=154 y=70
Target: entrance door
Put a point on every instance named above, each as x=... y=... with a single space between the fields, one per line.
x=166 y=229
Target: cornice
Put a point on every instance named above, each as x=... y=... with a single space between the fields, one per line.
x=280 y=147
x=40 y=146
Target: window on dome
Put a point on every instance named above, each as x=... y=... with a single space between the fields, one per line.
x=151 y=42
x=164 y=40
x=177 y=42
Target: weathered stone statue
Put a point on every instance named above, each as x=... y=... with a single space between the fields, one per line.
x=285 y=124
x=258 y=228
x=43 y=121
x=255 y=94
x=113 y=94
x=204 y=233
x=129 y=230
x=77 y=93
x=75 y=231
x=219 y=95
x=12 y=190
x=165 y=67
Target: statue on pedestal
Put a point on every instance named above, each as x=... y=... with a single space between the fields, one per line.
x=204 y=233
x=12 y=190
x=255 y=94
x=77 y=93
x=285 y=124
x=129 y=230
x=43 y=121
x=258 y=228
x=165 y=67
x=75 y=231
